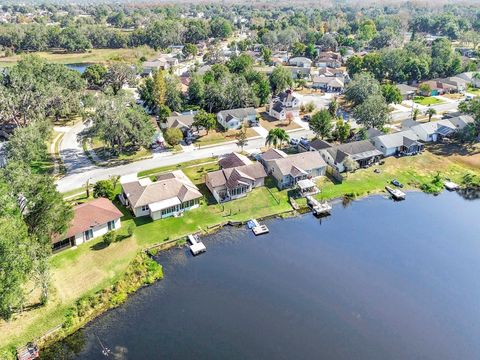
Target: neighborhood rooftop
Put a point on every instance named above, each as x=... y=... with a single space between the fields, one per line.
x=170 y=187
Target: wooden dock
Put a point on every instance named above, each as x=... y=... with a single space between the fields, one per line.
x=319 y=208
x=196 y=246
x=257 y=228
x=396 y=194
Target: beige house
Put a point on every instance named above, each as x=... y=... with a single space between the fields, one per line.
x=237 y=177
x=288 y=170
x=90 y=220
x=171 y=195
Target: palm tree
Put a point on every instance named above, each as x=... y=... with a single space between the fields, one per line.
x=415 y=114
x=430 y=112
x=276 y=137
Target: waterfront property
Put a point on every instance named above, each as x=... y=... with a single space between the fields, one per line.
x=362 y=152
x=235 y=118
x=237 y=177
x=171 y=195
x=90 y=220
x=400 y=143
x=436 y=130
x=288 y=170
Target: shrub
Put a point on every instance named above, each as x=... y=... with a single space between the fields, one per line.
x=104 y=188
x=130 y=229
x=109 y=237
x=173 y=136
x=310 y=107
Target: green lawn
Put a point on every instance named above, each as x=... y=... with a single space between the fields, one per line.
x=91 y=267
x=129 y=154
x=180 y=166
x=427 y=100
x=412 y=171
x=473 y=91
x=91 y=56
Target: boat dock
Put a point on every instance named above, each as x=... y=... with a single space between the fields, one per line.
x=396 y=194
x=257 y=228
x=196 y=246
x=318 y=207
x=451 y=186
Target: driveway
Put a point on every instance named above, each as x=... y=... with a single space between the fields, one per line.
x=71 y=149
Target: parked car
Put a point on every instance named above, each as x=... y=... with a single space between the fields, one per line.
x=397 y=183
x=307 y=118
x=294 y=141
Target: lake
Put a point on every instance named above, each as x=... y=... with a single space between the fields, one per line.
x=376 y=280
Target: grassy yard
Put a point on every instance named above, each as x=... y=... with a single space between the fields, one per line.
x=218 y=136
x=411 y=171
x=180 y=166
x=91 y=266
x=130 y=154
x=91 y=56
x=269 y=123
x=427 y=100
x=472 y=90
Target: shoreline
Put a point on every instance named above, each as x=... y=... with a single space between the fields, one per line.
x=59 y=332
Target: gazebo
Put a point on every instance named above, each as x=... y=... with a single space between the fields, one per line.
x=307 y=187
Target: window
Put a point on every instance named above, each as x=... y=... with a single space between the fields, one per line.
x=145 y=208
x=111 y=225
x=88 y=234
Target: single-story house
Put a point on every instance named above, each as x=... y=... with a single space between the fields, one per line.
x=363 y=152
x=171 y=195
x=90 y=220
x=235 y=182
x=328 y=61
x=300 y=61
x=407 y=92
x=162 y=63
x=289 y=170
x=470 y=78
x=370 y=133
x=235 y=118
x=328 y=84
x=234 y=159
x=180 y=121
x=404 y=142
x=267 y=157
x=436 y=130
x=284 y=105
x=299 y=72
x=439 y=87
x=318 y=144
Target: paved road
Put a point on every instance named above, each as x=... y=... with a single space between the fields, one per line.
x=80 y=176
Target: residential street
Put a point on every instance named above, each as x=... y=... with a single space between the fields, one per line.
x=82 y=173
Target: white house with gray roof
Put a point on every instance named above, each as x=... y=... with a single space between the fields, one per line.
x=363 y=152
x=235 y=118
x=404 y=142
x=172 y=194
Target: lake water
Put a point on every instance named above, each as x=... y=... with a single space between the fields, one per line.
x=376 y=280
x=78 y=67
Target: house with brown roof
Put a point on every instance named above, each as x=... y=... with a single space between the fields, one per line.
x=170 y=195
x=288 y=170
x=90 y=220
x=236 y=179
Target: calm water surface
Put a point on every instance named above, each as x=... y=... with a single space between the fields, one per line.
x=376 y=280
